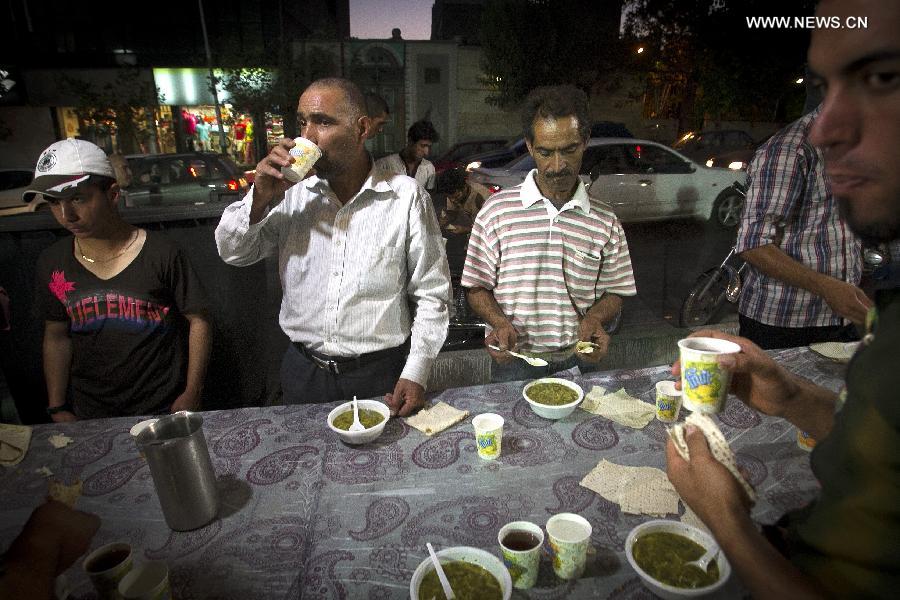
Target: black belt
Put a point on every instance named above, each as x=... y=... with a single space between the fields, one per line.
x=339 y=365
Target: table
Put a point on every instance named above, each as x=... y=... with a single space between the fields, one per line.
x=305 y=515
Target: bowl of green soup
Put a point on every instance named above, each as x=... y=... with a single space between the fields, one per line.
x=552 y=397
x=373 y=415
x=658 y=549
x=474 y=574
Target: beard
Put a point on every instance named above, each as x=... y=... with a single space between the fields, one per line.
x=873 y=231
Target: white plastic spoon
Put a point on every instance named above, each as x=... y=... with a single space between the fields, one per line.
x=356 y=426
x=702 y=563
x=531 y=360
x=440 y=573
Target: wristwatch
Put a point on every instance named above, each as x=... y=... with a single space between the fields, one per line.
x=52 y=410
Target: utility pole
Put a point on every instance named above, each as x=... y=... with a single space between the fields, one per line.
x=213 y=81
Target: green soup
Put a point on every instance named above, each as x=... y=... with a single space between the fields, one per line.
x=663 y=555
x=469 y=582
x=552 y=394
x=368 y=418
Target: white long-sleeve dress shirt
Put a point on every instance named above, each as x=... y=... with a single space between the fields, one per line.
x=356 y=278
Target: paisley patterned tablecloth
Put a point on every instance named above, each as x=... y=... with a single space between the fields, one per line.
x=304 y=515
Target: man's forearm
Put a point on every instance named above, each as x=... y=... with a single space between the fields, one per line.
x=812 y=408
x=199 y=343
x=774 y=262
x=485 y=306
x=605 y=309
x=765 y=572
x=57 y=365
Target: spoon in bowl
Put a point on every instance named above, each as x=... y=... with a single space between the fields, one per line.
x=356 y=425
x=448 y=591
x=531 y=360
x=702 y=563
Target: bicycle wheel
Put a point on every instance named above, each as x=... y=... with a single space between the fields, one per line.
x=704 y=299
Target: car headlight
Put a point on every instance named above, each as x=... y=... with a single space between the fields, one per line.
x=473 y=165
x=709 y=163
x=737 y=165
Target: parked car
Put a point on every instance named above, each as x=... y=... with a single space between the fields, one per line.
x=729 y=145
x=641 y=181
x=12 y=184
x=610 y=129
x=188 y=178
x=459 y=153
x=498 y=157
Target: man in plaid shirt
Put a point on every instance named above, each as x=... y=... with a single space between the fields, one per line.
x=805 y=264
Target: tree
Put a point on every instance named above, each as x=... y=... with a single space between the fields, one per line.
x=124 y=107
x=532 y=43
x=708 y=62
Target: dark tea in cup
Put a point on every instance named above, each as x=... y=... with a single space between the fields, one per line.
x=521 y=541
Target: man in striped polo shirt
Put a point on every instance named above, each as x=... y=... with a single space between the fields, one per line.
x=805 y=263
x=547 y=265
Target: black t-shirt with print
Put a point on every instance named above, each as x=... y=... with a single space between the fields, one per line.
x=129 y=334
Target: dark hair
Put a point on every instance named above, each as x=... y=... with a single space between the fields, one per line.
x=376 y=105
x=356 y=102
x=554 y=102
x=101 y=181
x=422 y=130
x=451 y=180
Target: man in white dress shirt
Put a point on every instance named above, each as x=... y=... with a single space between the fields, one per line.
x=413 y=159
x=362 y=264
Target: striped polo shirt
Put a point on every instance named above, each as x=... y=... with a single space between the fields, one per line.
x=789 y=204
x=545 y=267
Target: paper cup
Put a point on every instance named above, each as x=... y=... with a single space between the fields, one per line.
x=520 y=543
x=305 y=155
x=704 y=384
x=106 y=567
x=570 y=535
x=488 y=435
x=147 y=581
x=668 y=401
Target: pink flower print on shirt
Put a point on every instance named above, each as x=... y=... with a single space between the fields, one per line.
x=59 y=286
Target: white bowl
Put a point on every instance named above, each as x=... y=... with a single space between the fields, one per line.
x=661 y=589
x=476 y=556
x=554 y=412
x=360 y=437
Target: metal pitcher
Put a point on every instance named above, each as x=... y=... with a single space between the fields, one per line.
x=185 y=482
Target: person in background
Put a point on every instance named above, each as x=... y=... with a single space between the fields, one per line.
x=547 y=265
x=413 y=159
x=126 y=331
x=846 y=542
x=804 y=262
x=54 y=537
x=366 y=289
x=202 y=134
x=463 y=200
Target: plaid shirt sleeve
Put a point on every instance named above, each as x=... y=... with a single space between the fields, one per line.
x=777 y=180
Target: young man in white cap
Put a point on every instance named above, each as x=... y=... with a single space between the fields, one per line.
x=125 y=332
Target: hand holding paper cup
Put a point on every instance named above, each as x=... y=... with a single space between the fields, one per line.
x=305 y=155
x=704 y=384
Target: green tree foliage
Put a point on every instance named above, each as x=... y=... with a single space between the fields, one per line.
x=706 y=60
x=530 y=43
x=124 y=108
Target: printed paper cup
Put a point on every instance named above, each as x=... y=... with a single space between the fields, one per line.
x=805 y=441
x=570 y=535
x=668 y=401
x=488 y=435
x=147 y=581
x=704 y=384
x=521 y=561
x=305 y=155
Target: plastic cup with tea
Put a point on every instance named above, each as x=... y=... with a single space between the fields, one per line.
x=668 y=401
x=704 y=384
x=570 y=536
x=520 y=543
x=488 y=435
x=106 y=567
x=305 y=155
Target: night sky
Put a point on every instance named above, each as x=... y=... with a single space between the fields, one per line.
x=376 y=18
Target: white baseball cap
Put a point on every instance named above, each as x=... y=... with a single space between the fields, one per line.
x=66 y=164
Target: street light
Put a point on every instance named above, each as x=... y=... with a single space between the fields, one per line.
x=640 y=50
x=799 y=81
